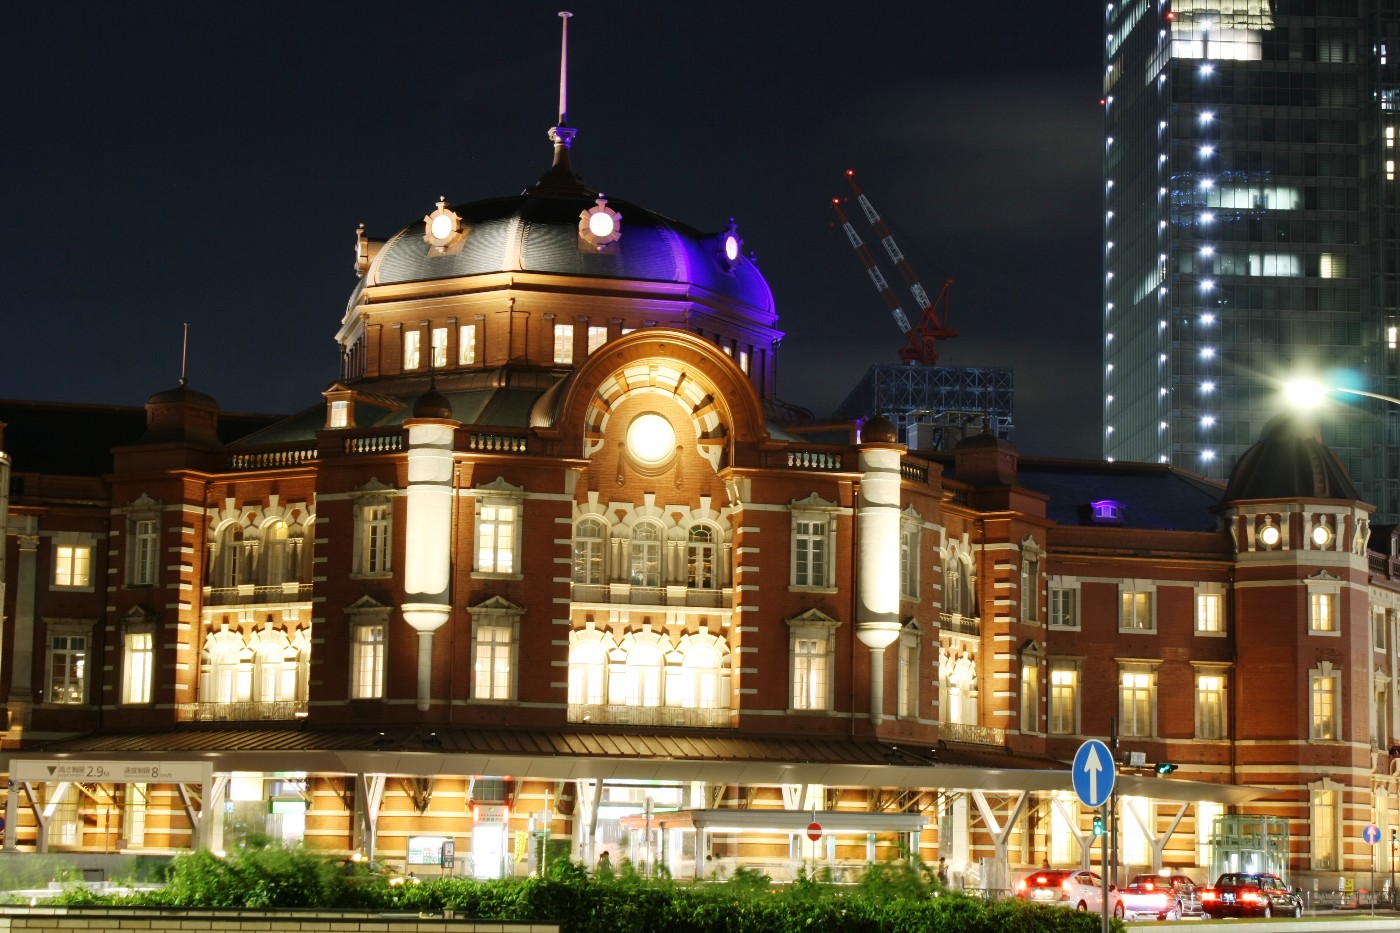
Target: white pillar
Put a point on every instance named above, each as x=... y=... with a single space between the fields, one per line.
x=877 y=561
x=428 y=539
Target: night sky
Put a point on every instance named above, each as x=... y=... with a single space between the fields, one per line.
x=209 y=162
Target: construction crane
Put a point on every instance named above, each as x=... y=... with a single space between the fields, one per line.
x=921 y=340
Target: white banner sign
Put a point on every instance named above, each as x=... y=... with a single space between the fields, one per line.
x=116 y=772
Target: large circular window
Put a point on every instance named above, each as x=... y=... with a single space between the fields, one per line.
x=651 y=439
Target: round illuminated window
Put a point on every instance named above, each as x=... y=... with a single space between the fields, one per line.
x=1268 y=535
x=650 y=438
x=442 y=226
x=600 y=224
x=1321 y=535
x=731 y=247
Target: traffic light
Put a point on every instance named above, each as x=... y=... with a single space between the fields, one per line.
x=1165 y=767
x=1098 y=826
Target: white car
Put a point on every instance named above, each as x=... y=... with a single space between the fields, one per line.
x=1080 y=890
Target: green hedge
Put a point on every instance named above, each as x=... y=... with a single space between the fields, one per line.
x=890 y=899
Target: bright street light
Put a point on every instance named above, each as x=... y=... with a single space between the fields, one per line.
x=1305 y=395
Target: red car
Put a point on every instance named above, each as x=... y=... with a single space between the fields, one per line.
x=1251 y=894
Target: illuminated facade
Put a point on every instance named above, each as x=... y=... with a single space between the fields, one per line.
x=549 y=569
x=1250 y=228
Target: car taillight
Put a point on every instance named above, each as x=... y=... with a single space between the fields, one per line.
x=1251 y=897
x=1209 y=896
x=1064 y=885
x=1021 y=885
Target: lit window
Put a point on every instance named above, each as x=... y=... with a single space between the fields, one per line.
x=339 y=414
x=1137 y=701
x=907 y=675
x=138 y=654
x=1030 y=587
x=496 y=531
x=373 y=541
x=563 y=343
x=809 y=673
x=466 y=345
x=590 y=536
x=1030 y=693
x=367 y=660
x=1326 y=826
x=412 y=340
x=1332 y=266
x=700 y=558
x=492 y=650
x=439 y=347
x=1392 y=337
x=597 y=336
x=67 y=667
x=230 y=562
x=273 y=558
x=959 y=591
x=1135 y=610
x=1064 y=697
x=72 y=566
x=1210 y=613
x=145 y=546
x=744 y=360
x=1064 y=607
x=642 y=672
x=588 y=665
x=1324 y=690
x=644 y=567
x=1210 y=705
x=1378 y=629
x=1322 y=610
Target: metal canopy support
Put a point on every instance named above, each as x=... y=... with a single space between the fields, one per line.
x=1159 y=843
x=1000 y=833
x=369 y=793
x=199 y=829
x=43 y=814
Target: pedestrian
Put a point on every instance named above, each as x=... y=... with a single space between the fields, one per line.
x=604 y=865
x=943 y=871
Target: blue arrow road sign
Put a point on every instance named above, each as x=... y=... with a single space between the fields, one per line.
x=1093 y=773
x=1372 y=834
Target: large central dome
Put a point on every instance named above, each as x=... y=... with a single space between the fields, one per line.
x=538 y=231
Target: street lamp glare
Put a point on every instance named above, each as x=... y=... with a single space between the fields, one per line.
x=1303 y=394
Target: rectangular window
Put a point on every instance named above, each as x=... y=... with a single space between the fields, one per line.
x=138 y=657
x=809 y=553
x=909 y=562
x=67 y=669
x=134 y=814
x=597 y=336
x=466 y=345
x=72 y=565
x=1030 y=585
x=340 y=414
x=439 y=347
x=1135 y=611
x=1030 y=695
x=563 y=343
x=908 y=676
x=809 y=673
x=145 y=542
x=367 y=662
x=1210 y=613
x=492 y=662
x=1135 y=706
x=1064 y=607
x=1378 y=629
x=1324 y=826
x=1064 y=699
x=1322 y=611
x=411 y=343
x=495 y=539
x=1325 y=726
x=1210 y=706
x=374 y=539
x=744 y=360
x=1206 y=813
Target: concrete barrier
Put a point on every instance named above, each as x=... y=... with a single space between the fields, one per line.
x=52 y=919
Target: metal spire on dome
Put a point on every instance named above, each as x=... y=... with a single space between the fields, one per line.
x=561 y=174
x=185 y=357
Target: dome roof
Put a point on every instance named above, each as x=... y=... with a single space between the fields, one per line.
x=183 y=395
x=432 y=404
x=537 y=231
x=1290 y=461
x=879 y=430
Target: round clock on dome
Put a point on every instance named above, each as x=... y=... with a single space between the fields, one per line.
x=599 y=225
x=442 y=227
x=650 y=439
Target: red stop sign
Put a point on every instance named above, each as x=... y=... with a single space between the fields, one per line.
x=814 y=831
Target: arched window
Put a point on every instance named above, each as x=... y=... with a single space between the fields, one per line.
x=645 y=563
x=588 y=666
x=644 y=668
x=274 y=554
x=700 y=680
x=590 y=536
x=700 y=558
x=228 y=668
x=230 y=569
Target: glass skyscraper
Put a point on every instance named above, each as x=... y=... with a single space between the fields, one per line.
x=1250 y=228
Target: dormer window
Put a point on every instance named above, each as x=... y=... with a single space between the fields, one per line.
x=339 y=414
x=1106 y=512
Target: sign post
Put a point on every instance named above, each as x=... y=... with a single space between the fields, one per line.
x=1372 y=835
x=1094 y=774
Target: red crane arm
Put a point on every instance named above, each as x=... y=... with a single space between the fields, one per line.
x=881 y=285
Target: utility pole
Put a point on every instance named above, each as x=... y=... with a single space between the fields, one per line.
x=1113 y=806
